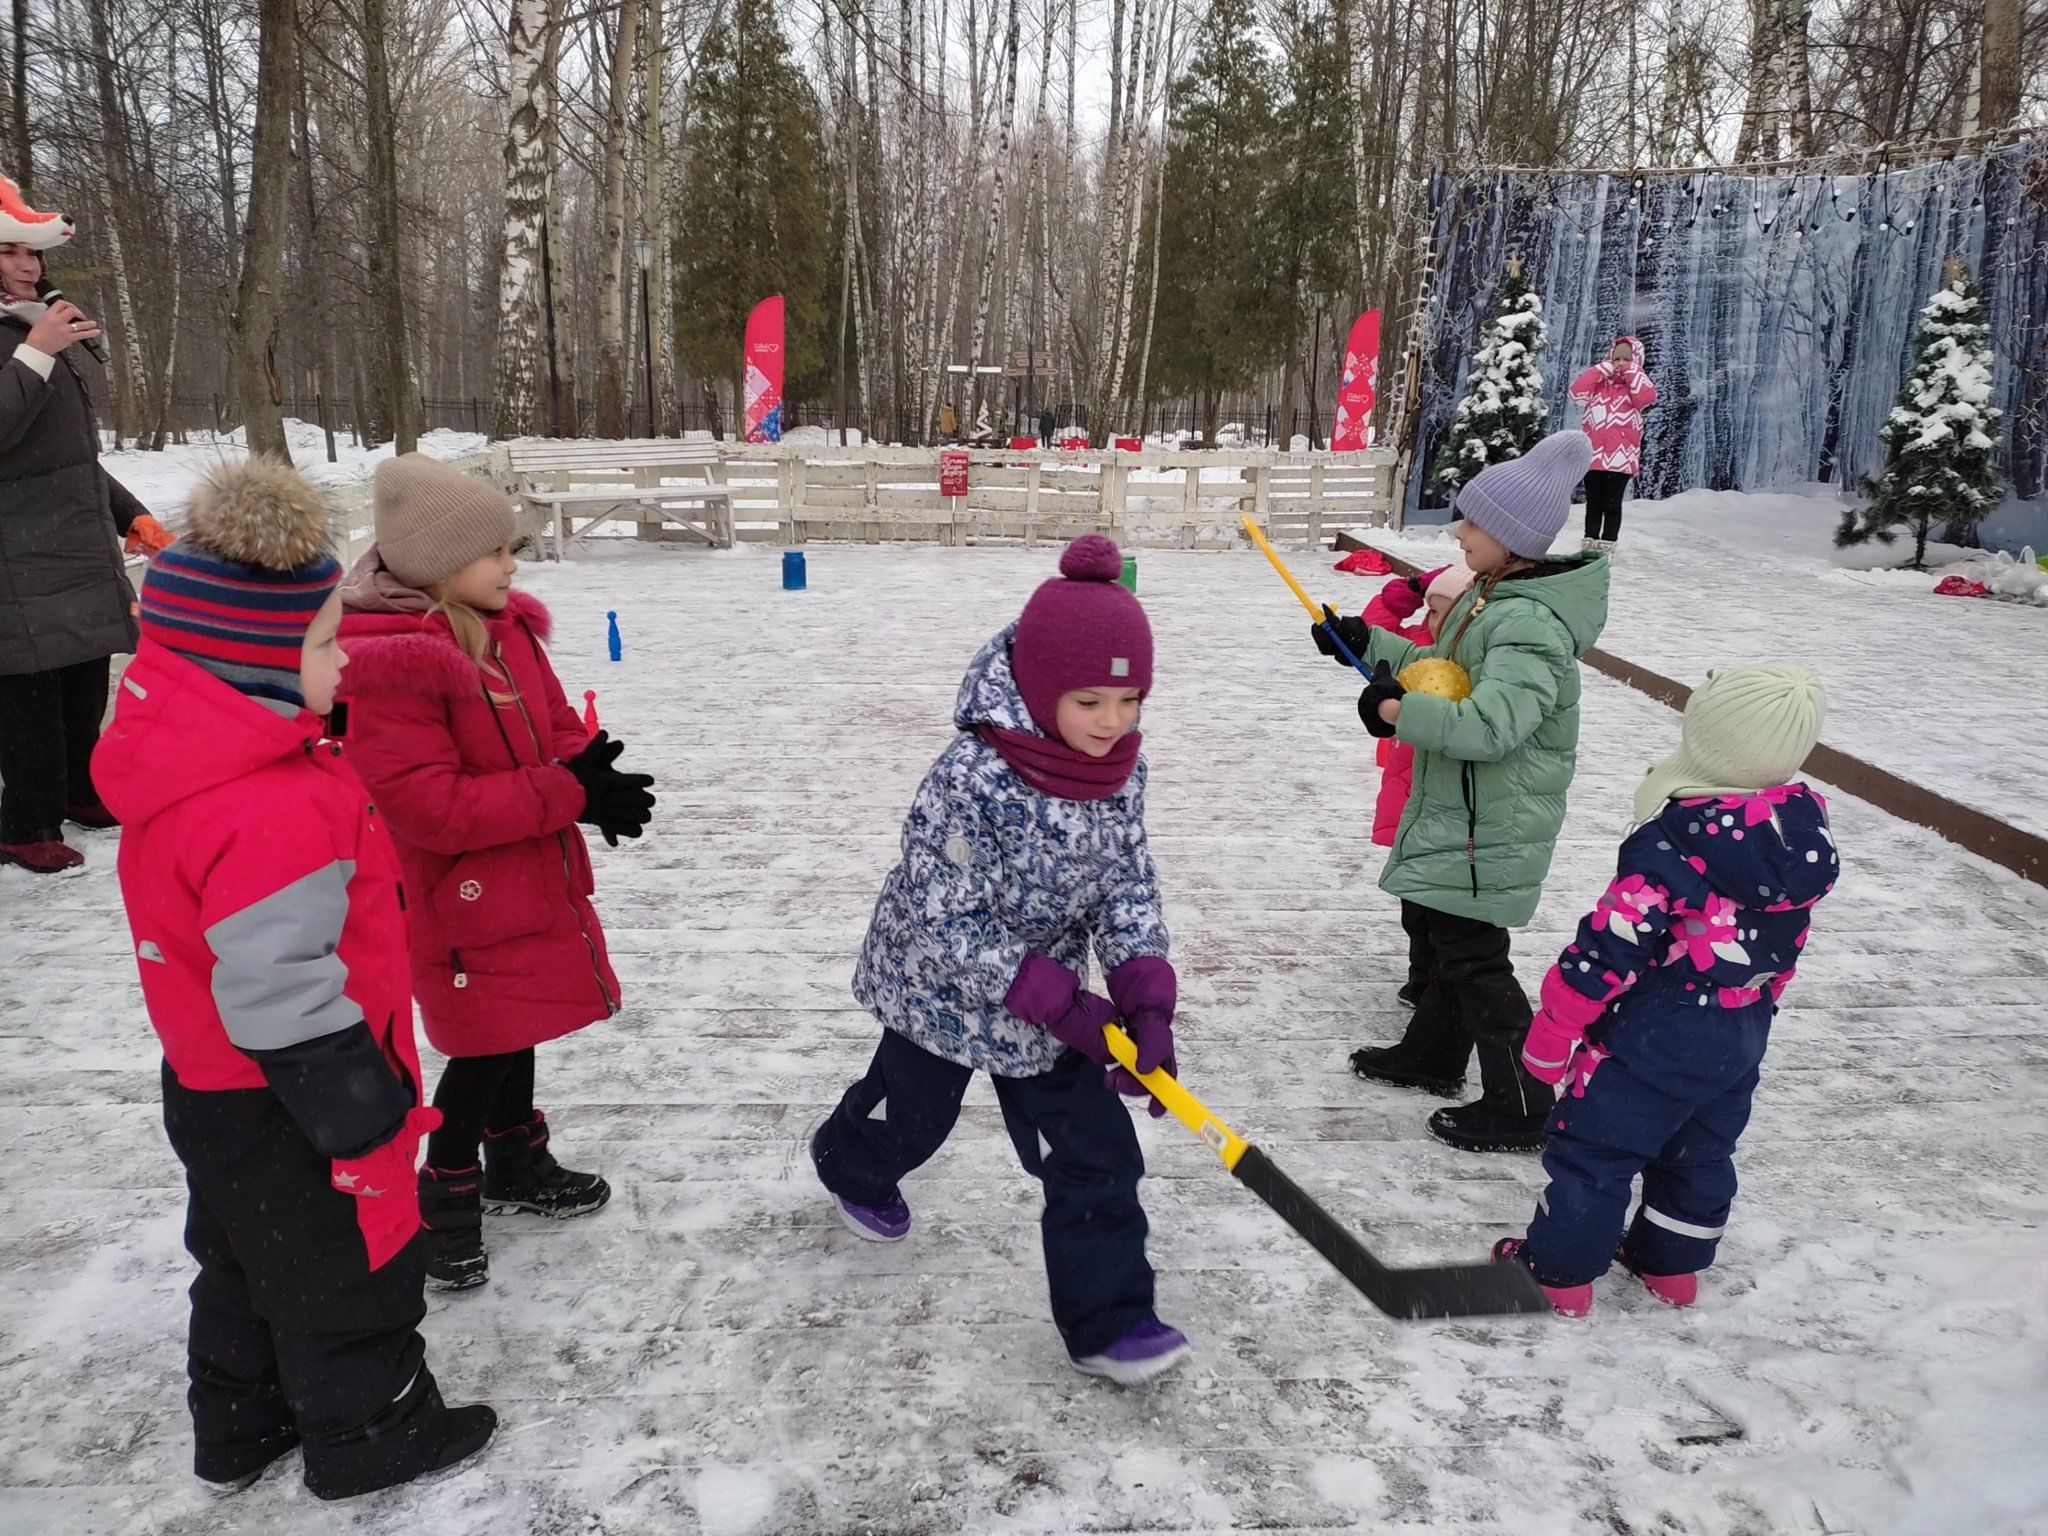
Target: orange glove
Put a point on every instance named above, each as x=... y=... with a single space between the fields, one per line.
x=146 y=536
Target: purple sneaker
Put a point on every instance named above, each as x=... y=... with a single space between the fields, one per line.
x=888 y=1222
x=1147 y=1350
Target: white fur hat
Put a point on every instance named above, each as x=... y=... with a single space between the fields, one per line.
x=23 y=225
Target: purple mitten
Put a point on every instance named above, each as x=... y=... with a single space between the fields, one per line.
x=1047 y=994
x=1145 y=991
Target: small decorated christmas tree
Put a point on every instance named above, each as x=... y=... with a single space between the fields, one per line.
x=1940 y=436
x=1502 y=414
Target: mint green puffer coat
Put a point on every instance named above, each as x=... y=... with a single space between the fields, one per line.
x=1491 y=771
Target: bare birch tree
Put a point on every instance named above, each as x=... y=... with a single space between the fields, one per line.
x=515 y=388
x=612 y=407
x=253 y=329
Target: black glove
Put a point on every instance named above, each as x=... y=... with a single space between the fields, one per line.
x=1377 y=692
x=617 y=804
x=1351 y=631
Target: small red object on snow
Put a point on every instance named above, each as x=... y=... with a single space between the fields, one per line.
x=1023 y=442
x=1131 y=444
x=1365 y=562
x=1960 y=586
x=590 y=712
x=1074 y=443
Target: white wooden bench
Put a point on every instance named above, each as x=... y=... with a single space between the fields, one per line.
x=663 y=484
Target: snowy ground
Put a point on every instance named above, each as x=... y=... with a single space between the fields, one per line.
x=1945 y=691
x=164 y=480
x=714 y=1354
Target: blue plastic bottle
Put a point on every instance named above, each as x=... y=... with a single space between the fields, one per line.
x=794 y=576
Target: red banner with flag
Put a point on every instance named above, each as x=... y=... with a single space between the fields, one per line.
x=1358 y=386
x=764 y=358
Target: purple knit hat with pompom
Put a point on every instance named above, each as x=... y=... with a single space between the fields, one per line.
x=1080 y=630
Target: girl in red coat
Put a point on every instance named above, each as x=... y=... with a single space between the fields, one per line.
x=1433 y=592
x=462 y=732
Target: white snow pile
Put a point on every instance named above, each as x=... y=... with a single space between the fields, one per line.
x=163 y=481
x=820 y=437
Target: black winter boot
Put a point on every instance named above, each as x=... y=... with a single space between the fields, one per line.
x=520 y=1174
x=451 y=1206
x=1400 y=1067
x=230 y=1469
x=1489 y=1126
x=1431 y=1054
x=412 y=1437
x=1513 y=1108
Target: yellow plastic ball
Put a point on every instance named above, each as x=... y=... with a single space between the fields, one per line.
x=1434 y=674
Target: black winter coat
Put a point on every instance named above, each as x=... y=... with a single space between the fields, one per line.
x=64 y=596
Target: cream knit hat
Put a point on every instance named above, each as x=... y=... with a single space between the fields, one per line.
x=1746 y=728
x=433 y=519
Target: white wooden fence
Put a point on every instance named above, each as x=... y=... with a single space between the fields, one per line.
x=1182 y=499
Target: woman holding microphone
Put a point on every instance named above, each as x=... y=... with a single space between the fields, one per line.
x=65 y=602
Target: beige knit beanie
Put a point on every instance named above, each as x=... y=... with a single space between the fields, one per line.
x=432 y=519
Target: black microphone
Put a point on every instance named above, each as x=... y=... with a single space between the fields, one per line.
x=49 y=293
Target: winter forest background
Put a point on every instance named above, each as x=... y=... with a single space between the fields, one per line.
x=1166 y=211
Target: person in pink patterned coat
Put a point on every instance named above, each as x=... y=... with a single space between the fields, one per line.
x=1614 y=394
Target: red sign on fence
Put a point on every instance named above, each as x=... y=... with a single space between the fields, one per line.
x=953 y=472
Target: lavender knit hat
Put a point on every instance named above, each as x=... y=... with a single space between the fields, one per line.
x=1524 y=502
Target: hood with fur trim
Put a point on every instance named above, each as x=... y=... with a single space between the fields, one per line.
x=396 y=648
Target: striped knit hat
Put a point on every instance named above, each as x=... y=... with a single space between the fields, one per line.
x=237 y=594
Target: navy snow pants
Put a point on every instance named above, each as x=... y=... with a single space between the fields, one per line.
x=1669 y=1103
x=1071 y=1132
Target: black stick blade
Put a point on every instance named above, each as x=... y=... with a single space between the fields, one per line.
x=1448 y=1290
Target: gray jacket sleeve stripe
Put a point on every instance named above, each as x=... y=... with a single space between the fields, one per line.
x=277 y=980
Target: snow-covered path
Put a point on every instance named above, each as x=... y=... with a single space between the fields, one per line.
x=714 y=1354
x=1947 y=692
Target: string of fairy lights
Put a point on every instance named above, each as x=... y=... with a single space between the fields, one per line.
x=1793 y=210
x=1795 y=205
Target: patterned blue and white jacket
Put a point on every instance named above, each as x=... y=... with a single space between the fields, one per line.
x=992 y=869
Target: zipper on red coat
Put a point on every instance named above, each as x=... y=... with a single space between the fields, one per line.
x=611 y=1004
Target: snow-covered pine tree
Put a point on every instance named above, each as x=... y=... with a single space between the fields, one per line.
x=1940 y=436
x=1503 y=412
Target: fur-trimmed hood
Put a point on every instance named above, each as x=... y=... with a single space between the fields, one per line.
x=397 y=645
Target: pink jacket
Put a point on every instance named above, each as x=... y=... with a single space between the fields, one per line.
x=1615 y=399
x=1398 y=601
x=507 y=950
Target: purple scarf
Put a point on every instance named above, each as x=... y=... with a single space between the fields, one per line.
x=1054 y=768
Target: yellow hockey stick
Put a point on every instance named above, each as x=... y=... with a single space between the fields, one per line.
x=1322 y=615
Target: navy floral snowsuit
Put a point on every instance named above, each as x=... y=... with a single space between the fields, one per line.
x=1675 y=977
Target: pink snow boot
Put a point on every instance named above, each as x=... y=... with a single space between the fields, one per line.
x=1673 y=1290
x=1565 y=1300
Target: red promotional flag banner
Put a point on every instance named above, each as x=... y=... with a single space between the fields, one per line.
x=1358 y=386
x=764 y=358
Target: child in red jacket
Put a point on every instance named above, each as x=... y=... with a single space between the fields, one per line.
x=263 y=899
x=1433 y=592
x=463 y=734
